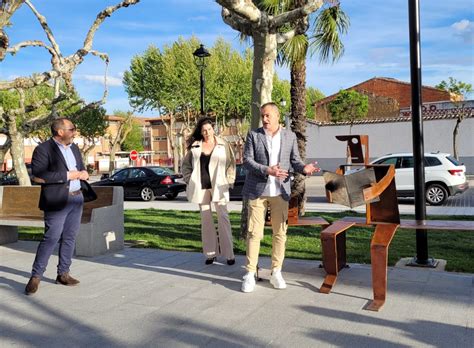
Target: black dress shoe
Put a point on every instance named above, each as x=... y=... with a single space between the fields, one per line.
x=32 y=286
x=230 y=262
x=210 y=261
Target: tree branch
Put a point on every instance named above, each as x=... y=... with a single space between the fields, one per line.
x=235 y=22
x=284 y=37
x=13 y=50
x=244 y=8
x=100 y=18
x=29 y=82
x=290 y=16
x=46 y=28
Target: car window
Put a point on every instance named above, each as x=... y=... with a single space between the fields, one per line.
x=432 y=162
x=389 y=160
x=137 y=173
x=453 y=160
x=162 y=171
x=407 y=162
x=122 y=175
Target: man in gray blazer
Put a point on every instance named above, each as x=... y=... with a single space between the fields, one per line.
x=270 y=152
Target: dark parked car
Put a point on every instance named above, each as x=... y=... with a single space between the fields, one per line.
x=146 y=183
x=236 y=192
x=10 y=178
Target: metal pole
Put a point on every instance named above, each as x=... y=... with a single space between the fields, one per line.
x=202 y=90
x=421 y=258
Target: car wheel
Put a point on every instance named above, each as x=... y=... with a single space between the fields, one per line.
x=171 y=195
x=436 y=194
x=147 y=194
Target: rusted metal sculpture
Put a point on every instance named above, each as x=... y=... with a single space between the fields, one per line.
x=375 y=186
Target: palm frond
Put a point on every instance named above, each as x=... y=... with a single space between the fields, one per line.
x=293 y=50
x=329 y=25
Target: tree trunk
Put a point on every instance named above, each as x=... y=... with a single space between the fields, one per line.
x=112 y=159
x=455 y=137
x=265 y=52
x=298 y=125
x=86 y=149
x=17 y=151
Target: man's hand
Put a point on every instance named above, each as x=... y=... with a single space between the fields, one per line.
x=311 y=168
x=83 y=175
x=277 y=171
x=78 y=175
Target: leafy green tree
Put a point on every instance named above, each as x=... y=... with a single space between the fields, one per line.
x=349 y=105
x=454 y=86
x=168 y=81
x=312 y=96
x=117 y=138
x=91 y=125
x=461 y=89
x=134 y=139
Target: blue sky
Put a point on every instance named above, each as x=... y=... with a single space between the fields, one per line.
x=376 y=45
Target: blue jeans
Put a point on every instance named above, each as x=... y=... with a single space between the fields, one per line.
x=59 y=226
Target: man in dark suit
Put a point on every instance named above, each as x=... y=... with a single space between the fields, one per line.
x=270 y=152
x=57 y=165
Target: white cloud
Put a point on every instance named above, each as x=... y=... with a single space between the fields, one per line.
x=465 y=29
x=111 y=80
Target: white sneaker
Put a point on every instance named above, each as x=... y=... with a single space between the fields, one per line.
x=277 y=280
x=248 y=284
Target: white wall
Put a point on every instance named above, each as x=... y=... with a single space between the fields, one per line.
x=389 y=137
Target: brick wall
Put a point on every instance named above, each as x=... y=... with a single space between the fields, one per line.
x=386 y=97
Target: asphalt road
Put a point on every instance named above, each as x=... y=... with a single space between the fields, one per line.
x=457 y=205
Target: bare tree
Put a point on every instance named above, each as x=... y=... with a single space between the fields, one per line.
x=61 y=72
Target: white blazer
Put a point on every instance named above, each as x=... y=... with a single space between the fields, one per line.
x=221 y=171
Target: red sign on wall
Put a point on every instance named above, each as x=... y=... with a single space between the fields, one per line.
x=134 y=155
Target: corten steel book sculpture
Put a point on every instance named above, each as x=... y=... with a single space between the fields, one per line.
x=373 y=185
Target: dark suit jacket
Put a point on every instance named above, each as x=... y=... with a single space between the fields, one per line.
x=256 y=161
x=48 y=164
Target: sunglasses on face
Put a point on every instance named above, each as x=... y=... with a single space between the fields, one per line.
x=73 y=129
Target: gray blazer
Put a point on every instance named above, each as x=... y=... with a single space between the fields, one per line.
x=256 y=162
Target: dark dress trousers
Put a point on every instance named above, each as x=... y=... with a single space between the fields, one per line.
x=62 y=210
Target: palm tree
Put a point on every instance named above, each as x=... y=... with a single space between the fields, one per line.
x=325 y=41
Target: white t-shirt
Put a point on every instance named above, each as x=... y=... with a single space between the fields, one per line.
x=273 y=187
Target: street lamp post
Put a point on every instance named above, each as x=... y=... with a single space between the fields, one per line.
x=287 y=118
x=199 y=58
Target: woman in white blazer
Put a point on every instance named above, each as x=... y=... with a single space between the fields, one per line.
x=209 y=170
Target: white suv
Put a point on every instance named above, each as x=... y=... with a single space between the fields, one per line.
x=444 y=176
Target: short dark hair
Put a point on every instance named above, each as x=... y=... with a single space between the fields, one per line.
x=57 y=124
x=196 y=134
x=273 y=105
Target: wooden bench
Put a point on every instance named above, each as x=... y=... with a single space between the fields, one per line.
x=102 y=224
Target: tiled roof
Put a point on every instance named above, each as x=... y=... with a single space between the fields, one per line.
x=443 y=114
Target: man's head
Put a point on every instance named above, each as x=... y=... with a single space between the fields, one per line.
x=270 y=116
x=63 y=130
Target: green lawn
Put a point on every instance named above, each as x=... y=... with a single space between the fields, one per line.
x=176 y=230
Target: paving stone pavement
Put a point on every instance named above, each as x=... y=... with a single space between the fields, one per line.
x=157 y=298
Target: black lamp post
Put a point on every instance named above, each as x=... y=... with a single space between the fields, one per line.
x=199 y=58
x=287 y=118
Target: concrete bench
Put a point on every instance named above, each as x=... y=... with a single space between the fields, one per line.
x=102 y=224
